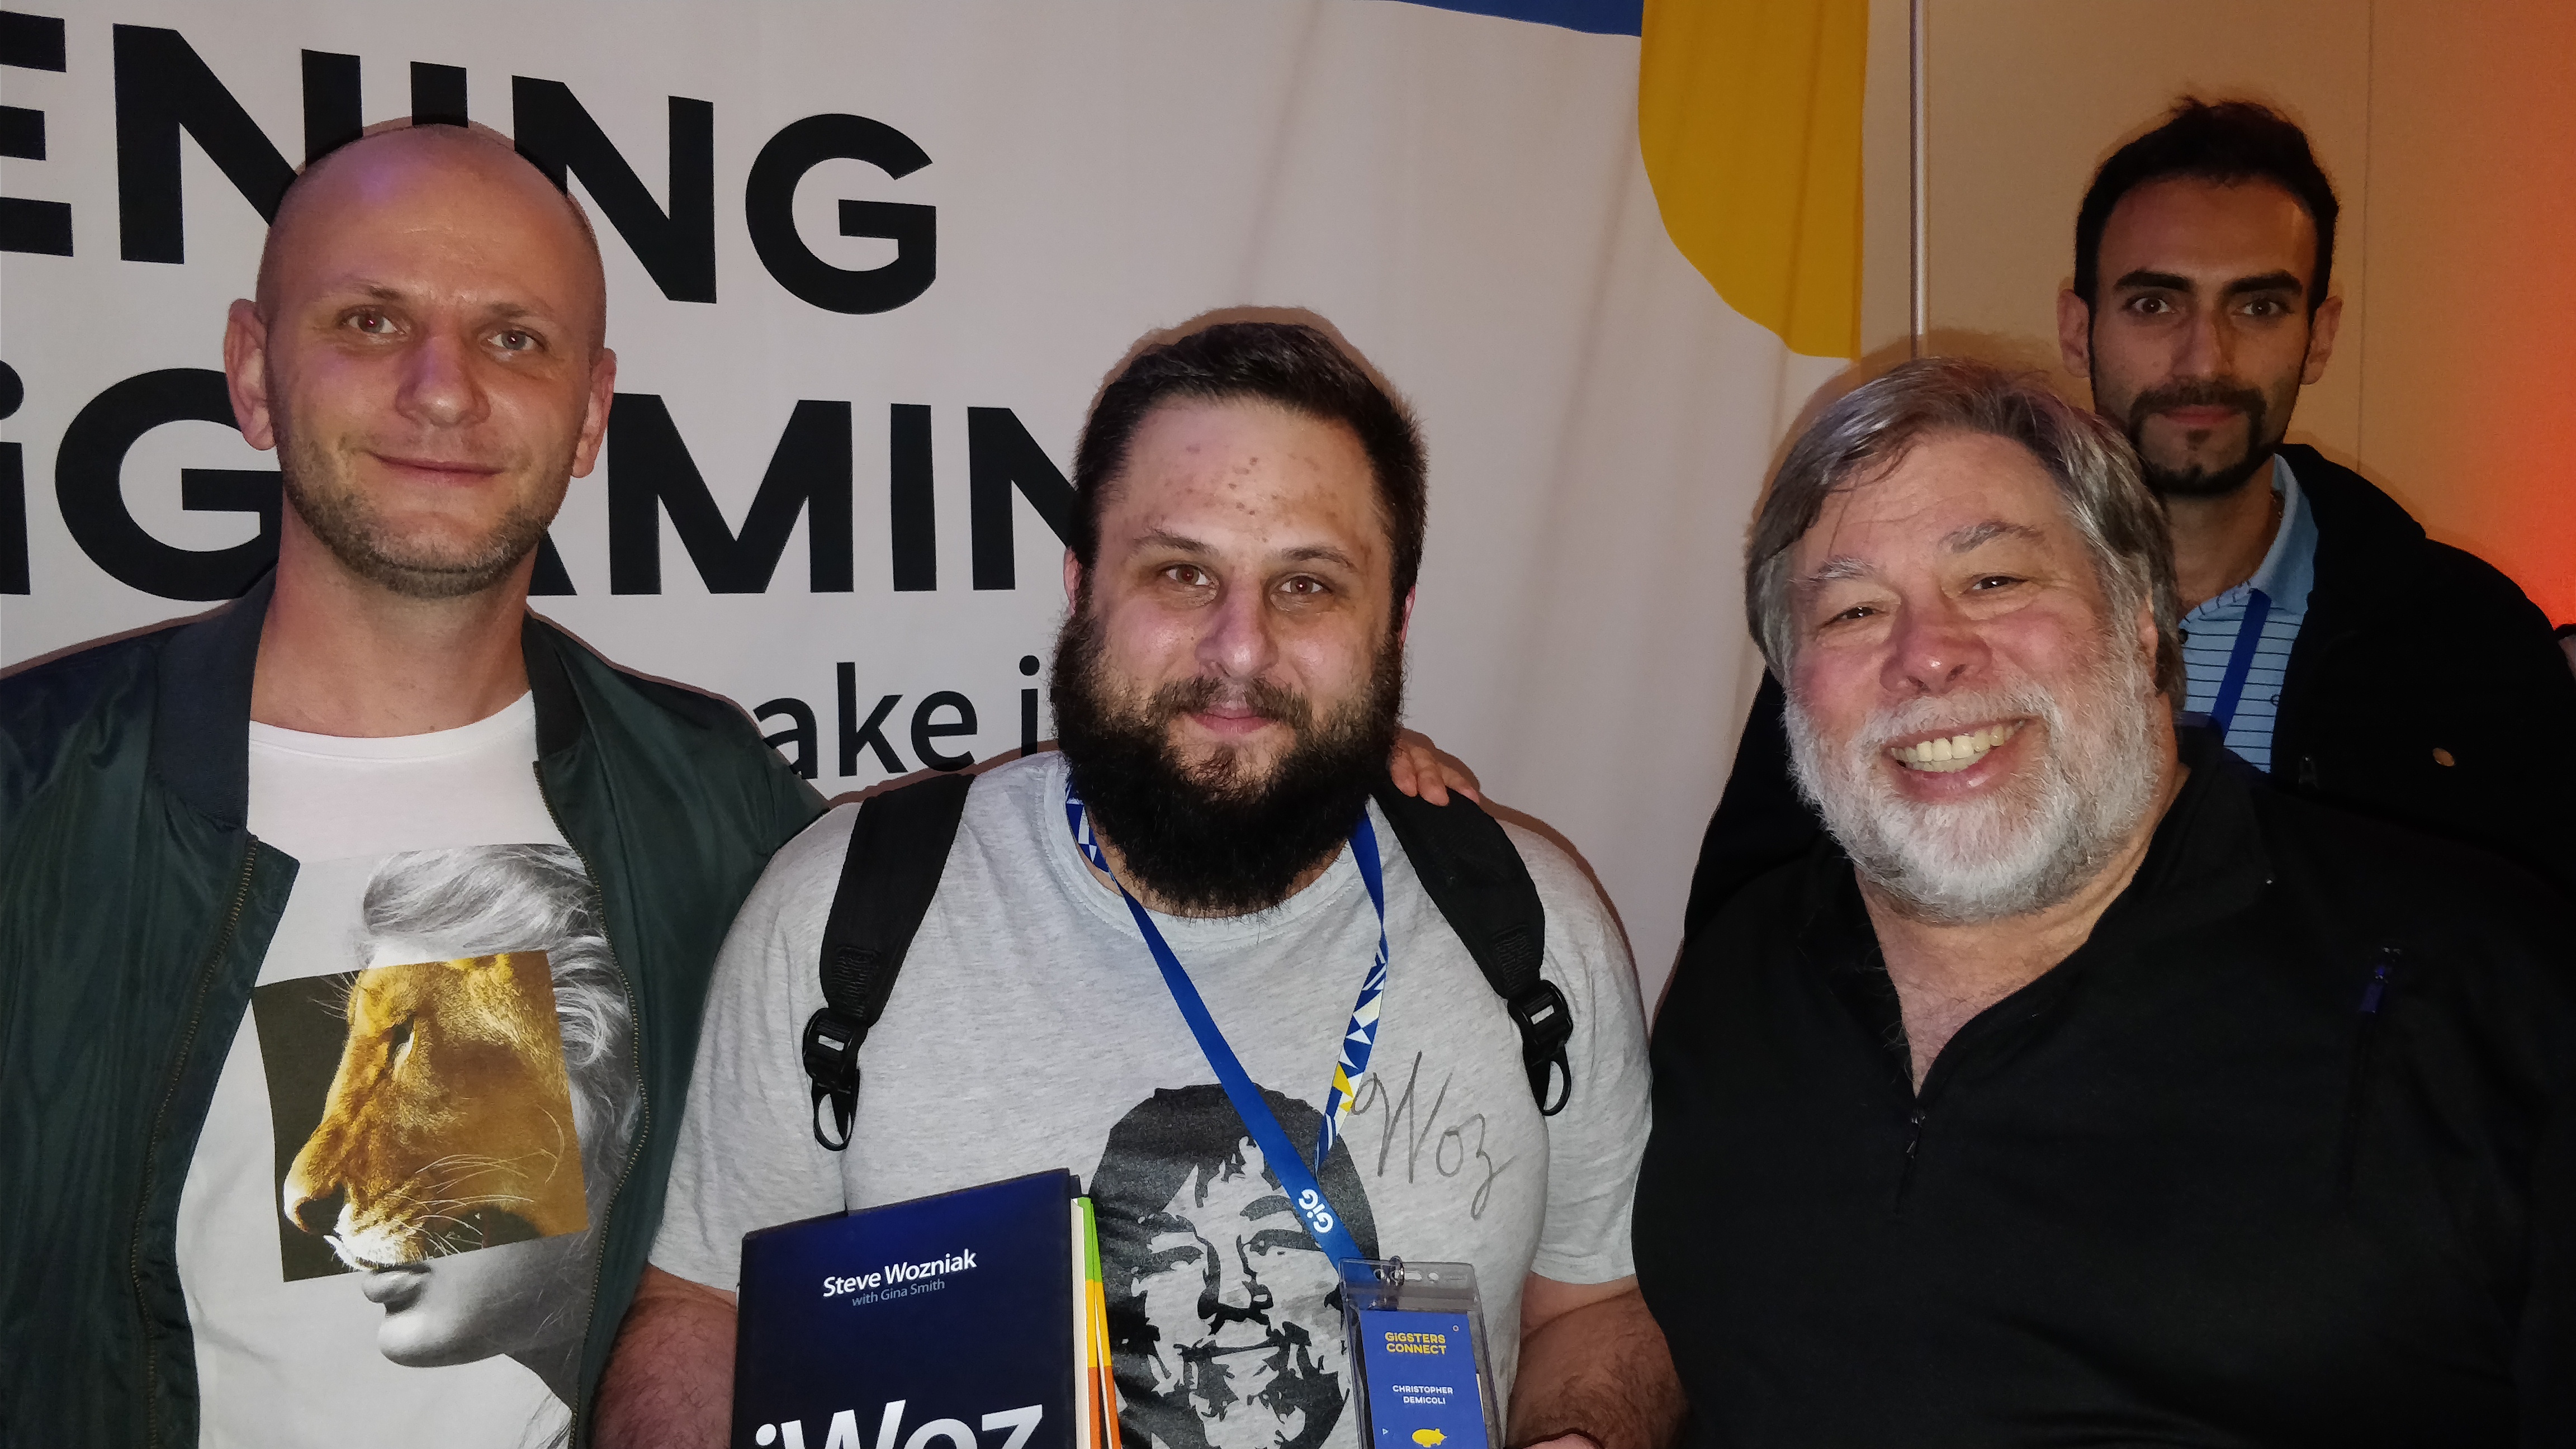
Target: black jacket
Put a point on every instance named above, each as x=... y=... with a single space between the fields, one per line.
x=2284 y=1153
x=2411 y=650
x=136 y=908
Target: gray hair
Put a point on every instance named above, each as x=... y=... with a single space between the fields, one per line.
x=1874 y=426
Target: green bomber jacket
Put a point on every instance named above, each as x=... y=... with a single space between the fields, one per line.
x=136 y=908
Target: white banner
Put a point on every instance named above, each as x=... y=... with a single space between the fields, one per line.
x=867 y=264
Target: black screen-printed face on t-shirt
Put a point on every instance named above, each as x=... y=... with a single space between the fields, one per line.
x=1225 y=1318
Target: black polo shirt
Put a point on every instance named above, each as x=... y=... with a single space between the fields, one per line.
x=2284 y=1154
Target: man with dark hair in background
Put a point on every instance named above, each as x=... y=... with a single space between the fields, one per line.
x=2333 y=645
x=194 y=816
x=1248 y=526
x=2077 y=1088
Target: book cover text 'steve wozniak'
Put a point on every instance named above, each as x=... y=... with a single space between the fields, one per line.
x=942 y=1323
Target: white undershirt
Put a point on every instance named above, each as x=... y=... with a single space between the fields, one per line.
x=329 y=797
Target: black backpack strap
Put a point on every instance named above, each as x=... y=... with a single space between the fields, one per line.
x=1480 y=883
x=898 y=848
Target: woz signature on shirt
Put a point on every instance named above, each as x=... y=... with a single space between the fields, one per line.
x=1455 y=1149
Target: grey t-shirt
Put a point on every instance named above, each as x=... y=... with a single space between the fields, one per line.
x=1031 y=1030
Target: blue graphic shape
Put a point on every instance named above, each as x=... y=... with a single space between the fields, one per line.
x=1593 y=17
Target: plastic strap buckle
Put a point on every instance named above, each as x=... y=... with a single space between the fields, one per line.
x=832 y=1060
x=1546 y=1025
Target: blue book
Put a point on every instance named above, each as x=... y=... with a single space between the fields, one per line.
x=948 y=1322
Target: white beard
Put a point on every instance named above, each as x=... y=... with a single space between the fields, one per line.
x=2020 y=849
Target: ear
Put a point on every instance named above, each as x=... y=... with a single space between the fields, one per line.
x=2150 y=639
x=1072 y=581
x=246 y=373
x=594 y=415
x=2075 y=333
x=1404 y=621
x=2322 y=330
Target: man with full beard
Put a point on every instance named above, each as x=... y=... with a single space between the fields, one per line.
x=2336 y=648
x=2078 y=1089
x=1249 y=522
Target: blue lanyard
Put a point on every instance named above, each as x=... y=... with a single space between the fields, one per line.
x=1359 y=1039
x=2240 y=660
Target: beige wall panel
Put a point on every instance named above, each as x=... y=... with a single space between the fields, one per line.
x=2027 y=96
x=1887 y=191
x=2472 y=240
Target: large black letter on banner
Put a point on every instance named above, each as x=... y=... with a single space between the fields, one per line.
x=870 y=735
x=333 y=112
x=769 y=206
x=30 y=42
x=650 y=471
x=678 y=250
x=162 y=88
x=88 y=484
x=13 y=492
x=912 y=523
x=926 y=727
x=1000 y=455
x=799 y=732
x=438 y=98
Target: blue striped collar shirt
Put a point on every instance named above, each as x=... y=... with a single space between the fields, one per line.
x=2287 y=574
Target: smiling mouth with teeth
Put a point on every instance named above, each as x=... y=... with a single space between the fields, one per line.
x=1954 y=752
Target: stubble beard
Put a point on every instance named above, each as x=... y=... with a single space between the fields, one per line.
x=1212 y=837
x=2266 y=420
x=316 y=476
x=2019 y=850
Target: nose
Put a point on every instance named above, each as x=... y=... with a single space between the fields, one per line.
x=2208 y=345
x=1238 y=642
x=439 y=388
x=1234 y=1291
x=1933 y=650
x=314 y=1215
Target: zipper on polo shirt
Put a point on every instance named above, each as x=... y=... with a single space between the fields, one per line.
x=2365 y=1048
x=1913 y=1148
x=1918 y=1102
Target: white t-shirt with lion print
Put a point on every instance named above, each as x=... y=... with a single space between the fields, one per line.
x=385 y=1235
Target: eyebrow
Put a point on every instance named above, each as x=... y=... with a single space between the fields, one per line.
x=1320 y=553
x=2275 y=281
x=1843 y=566
x=1978 y=535
x=1308 y=553
x=380 y=292
x=1836 y=569
x=2268 y=282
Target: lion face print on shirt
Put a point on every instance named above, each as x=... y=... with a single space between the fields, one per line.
x=449 y=1115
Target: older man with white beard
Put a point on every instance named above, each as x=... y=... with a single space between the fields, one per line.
x=2080 y=1088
